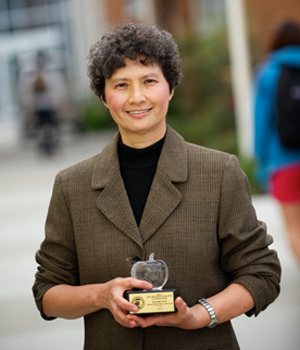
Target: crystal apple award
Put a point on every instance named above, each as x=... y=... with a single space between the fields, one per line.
x=156 y=300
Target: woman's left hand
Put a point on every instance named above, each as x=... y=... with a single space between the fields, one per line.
x=186 y=317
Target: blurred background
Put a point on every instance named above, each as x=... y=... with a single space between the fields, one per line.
x=45 y=43
x=221 y=43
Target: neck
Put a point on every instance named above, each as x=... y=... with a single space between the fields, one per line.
x=142 y=140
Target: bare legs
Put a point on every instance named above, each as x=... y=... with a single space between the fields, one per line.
x=291 y=213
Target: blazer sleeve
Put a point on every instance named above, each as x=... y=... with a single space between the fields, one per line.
x=56 y=257
x=245 y=253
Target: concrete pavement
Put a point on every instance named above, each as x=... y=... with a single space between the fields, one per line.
x=26 y=180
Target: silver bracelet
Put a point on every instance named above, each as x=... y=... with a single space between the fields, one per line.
x=214 y=321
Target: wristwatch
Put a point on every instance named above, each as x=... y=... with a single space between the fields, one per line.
x=214 y=321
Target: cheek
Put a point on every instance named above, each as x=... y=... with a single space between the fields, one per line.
x=113 y=100
x=163 y=97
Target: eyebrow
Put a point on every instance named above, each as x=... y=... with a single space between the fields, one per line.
x=128 y=79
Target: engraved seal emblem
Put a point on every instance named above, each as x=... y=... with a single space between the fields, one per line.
x=139 y=302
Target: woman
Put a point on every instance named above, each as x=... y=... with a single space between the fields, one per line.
x=279 y=166
x=150 y=191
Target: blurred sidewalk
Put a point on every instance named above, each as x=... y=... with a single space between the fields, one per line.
x=26 y=180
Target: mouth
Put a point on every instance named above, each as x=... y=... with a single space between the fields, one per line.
x=143 y=111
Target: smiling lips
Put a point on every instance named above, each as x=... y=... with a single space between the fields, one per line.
x=139 y=112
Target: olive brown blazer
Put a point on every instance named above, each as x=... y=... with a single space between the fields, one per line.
x=198 y=219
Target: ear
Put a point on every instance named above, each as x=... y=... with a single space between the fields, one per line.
x=103 y=101
x=171 y=95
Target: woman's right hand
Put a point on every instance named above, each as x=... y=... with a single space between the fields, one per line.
x=71 y=302
x=112 y=298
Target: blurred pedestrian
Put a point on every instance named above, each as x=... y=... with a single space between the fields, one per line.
x=277 y=145
x=151 y=191
x=42 y=91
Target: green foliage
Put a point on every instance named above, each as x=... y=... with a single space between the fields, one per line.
x=202 y=108
x=95 y=115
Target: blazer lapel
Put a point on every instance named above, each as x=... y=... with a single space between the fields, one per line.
x=164 y=196
x=113 y=201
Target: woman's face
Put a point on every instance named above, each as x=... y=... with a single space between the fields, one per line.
x=137 y=97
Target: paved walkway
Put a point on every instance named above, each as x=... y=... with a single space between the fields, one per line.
x=26 y=180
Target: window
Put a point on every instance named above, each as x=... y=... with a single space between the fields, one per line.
x=3 y=5
x=24 y=14
x=211 y=14
x=131 y=8
x=4 y=21
x=20 y=18
x=17 y=4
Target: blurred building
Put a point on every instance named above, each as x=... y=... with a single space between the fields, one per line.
x=65 y=29
x=27 y=27
x=262 y=16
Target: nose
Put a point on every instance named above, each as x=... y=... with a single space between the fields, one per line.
x=137 y=95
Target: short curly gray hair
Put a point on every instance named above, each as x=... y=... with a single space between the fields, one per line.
x=134 y=41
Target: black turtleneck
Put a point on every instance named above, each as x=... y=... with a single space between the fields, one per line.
x=138 y=167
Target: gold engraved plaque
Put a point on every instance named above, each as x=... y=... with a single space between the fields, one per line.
x=156 y=300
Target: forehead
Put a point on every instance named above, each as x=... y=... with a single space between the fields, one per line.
x=136 y=68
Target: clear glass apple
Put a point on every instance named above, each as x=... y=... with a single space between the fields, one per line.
x=154 y=271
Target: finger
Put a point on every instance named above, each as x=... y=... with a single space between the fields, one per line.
x=135 y=283
x=139 y=321
x=121 y=317
x=126 y=305
x=160 y=320
x=144 y=321
x=126 y=322
x=180 y=305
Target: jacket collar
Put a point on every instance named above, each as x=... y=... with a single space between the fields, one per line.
x=163 y=198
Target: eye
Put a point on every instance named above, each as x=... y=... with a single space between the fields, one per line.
x=121 y=86
x=150 y=81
